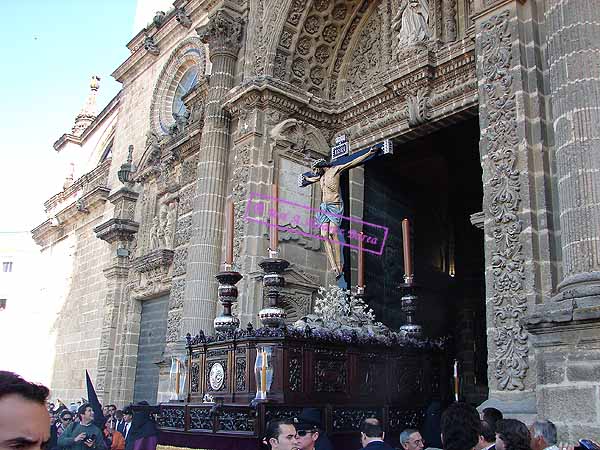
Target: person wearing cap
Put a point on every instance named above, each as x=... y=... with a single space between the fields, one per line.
x=309 y=425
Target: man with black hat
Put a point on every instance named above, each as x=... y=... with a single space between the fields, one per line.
x=310 y=432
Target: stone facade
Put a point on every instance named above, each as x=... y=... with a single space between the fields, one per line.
x=278 y=81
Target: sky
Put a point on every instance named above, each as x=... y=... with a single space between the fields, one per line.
x=49 y=49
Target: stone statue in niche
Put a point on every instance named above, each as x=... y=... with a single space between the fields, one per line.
x=171 y=220
x=162 y=232
x=411 y=23
x=155 y=233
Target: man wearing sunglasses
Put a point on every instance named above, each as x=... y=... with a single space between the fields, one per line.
x=66 y=419
x=307 y=435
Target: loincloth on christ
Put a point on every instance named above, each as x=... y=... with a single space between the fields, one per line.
x=330 y=212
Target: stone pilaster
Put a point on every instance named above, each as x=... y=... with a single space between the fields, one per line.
x=223 y=35
x=119 y=232
x=517 y=205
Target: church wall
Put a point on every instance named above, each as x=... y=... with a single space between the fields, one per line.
x=80 y=318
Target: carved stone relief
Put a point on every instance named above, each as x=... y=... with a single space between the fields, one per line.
x=365 y=63
x=411 y=27
x=502 y=200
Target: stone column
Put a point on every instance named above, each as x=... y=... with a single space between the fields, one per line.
x=223 y=35
x=574 y=58
x=517 y=193
x=566 y=331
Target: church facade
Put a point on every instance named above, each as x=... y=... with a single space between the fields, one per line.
x=491 y=107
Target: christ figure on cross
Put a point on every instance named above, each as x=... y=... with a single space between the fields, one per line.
x=332 y=207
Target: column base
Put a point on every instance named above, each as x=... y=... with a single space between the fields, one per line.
x=567 y=359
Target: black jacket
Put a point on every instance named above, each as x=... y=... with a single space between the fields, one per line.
x=378 y=445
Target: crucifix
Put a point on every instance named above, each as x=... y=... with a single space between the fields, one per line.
x=331 y=208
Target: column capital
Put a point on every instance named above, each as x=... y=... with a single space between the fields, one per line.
x=222 y=33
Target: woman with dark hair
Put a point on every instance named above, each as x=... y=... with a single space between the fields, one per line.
x=512 y=434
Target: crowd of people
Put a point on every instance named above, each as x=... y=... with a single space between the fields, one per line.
x=28 y=422
x=461 y=427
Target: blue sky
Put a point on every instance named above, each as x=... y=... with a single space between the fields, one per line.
x=49 y=50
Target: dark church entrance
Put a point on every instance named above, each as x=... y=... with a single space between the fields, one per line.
x=436 y=182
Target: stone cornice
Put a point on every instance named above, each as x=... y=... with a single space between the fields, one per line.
x=53 y=229
x=446 y=82
x=88 y=181
x=117 y=230
x=195 y=9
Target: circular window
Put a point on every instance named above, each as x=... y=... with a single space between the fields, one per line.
x=181 y=73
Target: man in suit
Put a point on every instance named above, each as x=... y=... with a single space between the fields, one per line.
x=119 y=421
x=411 y=439
x=127 y=419
x=372 y=435
x=461 y=427
x=487 y=438
x=281 y=435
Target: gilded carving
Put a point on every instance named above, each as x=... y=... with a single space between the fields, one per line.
x=503 y=199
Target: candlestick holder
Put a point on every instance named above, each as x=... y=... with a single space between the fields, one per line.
x=228 y=293
x=409 y=308
x=359 y=292
x=272 y=315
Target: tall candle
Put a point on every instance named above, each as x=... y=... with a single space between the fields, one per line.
x=263 y=372
x=408 y=270
x=177 y=378
x=456 y=380
x=274 y=235
x=361 y=261
x=230 y=220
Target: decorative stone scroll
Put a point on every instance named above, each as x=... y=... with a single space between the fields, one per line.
x=502 y=201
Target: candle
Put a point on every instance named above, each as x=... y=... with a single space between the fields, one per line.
x=361 y=261
x=408 y=270
x=263 y=373
x=274 y=235
x=456 y=380
x=230 y=222
x=177 y=379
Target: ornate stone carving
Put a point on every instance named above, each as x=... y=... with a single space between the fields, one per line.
x=239 y=183
x=223 y=33
x=176 y=296
x=173 y=325
x=411 y=23
x=153 y=271
x=295 y=12
x=150 y=46
x=450 y=20
x=502 y=200
x=365 y=62
x=182 y=17
x=189 y=53
x=418 y=107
